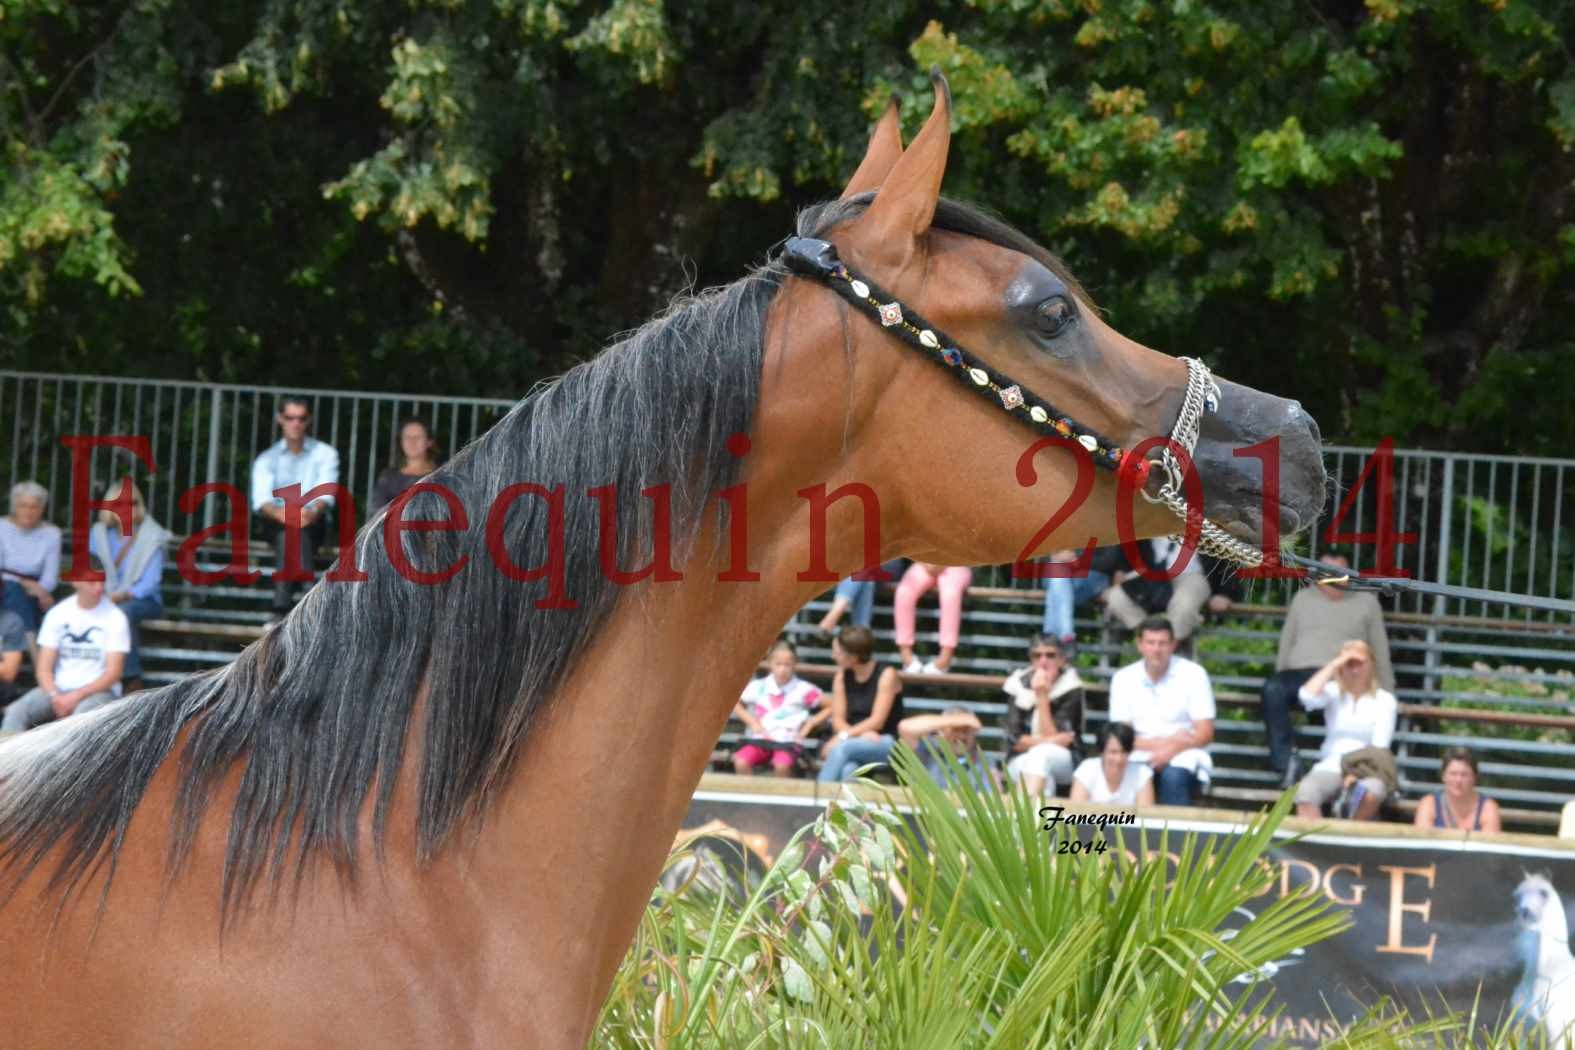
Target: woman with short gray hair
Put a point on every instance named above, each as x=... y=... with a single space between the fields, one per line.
x=29 y=555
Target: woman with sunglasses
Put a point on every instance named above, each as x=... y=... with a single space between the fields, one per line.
x=1357 y=714
x=1044 y=721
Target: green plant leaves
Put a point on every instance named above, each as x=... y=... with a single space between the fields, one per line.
x=972 y=931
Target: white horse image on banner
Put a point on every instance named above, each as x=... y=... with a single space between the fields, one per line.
x=1546 y=991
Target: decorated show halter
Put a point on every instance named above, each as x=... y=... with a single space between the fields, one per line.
x=817 y=259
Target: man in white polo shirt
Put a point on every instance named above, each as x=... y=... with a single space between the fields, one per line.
x=1169 y=702
x=82 y=647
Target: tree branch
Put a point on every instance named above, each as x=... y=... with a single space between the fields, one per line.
x=120 y=23
x=411 y=251
x=20 y=87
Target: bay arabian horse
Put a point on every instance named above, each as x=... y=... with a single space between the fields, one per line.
x=431 y=814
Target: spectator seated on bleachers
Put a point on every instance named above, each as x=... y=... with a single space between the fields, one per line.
x=1225 y=587
x=29 y=555
x=1358 y=715
x=1169 y=702
x=781 y=708
x=82 y=646
x=1044 y=718
x=857 y=597
x=133 y=570
x=1460 y=804
x=294 y=459
x=951 y=582
x=1111 y=777
x=1181 y=599
x=13 y=644
x=956 y=730
x=866 y=705
x=417 y=457
x=1321 y=619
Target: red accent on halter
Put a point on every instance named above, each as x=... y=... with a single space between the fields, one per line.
x=1135 y=470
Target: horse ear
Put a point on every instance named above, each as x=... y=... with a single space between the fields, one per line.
x=885 y=149
x=903 y=208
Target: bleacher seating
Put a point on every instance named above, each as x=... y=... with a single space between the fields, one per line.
x=1452 y=673
x=1445 y=667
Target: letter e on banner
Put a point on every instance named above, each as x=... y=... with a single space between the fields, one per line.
x=1398 y=907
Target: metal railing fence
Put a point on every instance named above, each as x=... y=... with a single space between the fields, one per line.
x=1496 y=522
x=206 y=432
x=1472 y=520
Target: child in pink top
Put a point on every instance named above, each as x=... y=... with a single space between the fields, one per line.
x=780 y=707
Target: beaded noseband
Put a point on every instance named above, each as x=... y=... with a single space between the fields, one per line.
x=817 y=259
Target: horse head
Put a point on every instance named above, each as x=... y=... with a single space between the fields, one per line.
x=1538 y=907
x=965 y=490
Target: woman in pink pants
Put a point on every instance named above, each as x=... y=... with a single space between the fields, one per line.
x=952 y=582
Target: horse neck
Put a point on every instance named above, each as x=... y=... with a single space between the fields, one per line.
x=572 y=848
x=1555 y=932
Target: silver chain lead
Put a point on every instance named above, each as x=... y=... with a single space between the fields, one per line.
x=1203 y=395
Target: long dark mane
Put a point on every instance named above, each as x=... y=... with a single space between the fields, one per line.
x=317 y=714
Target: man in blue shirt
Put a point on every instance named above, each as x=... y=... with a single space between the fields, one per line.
x=295 y=459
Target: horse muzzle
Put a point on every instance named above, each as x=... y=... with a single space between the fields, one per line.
x=1281 y=482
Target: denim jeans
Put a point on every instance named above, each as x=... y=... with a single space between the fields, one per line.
x=860 y=594
x=1174 y=787
x=845 y=758
x=1280 y=702
x=1063 y=595
x=35 y=708
x=15 y=599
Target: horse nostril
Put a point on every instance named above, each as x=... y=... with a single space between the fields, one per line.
x=1297 y=416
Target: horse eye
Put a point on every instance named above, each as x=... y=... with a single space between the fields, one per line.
x=1054 y=315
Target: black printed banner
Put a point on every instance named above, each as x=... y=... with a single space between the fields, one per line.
x=1433 y=921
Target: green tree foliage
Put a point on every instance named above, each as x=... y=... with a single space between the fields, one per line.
x=1366 y=205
